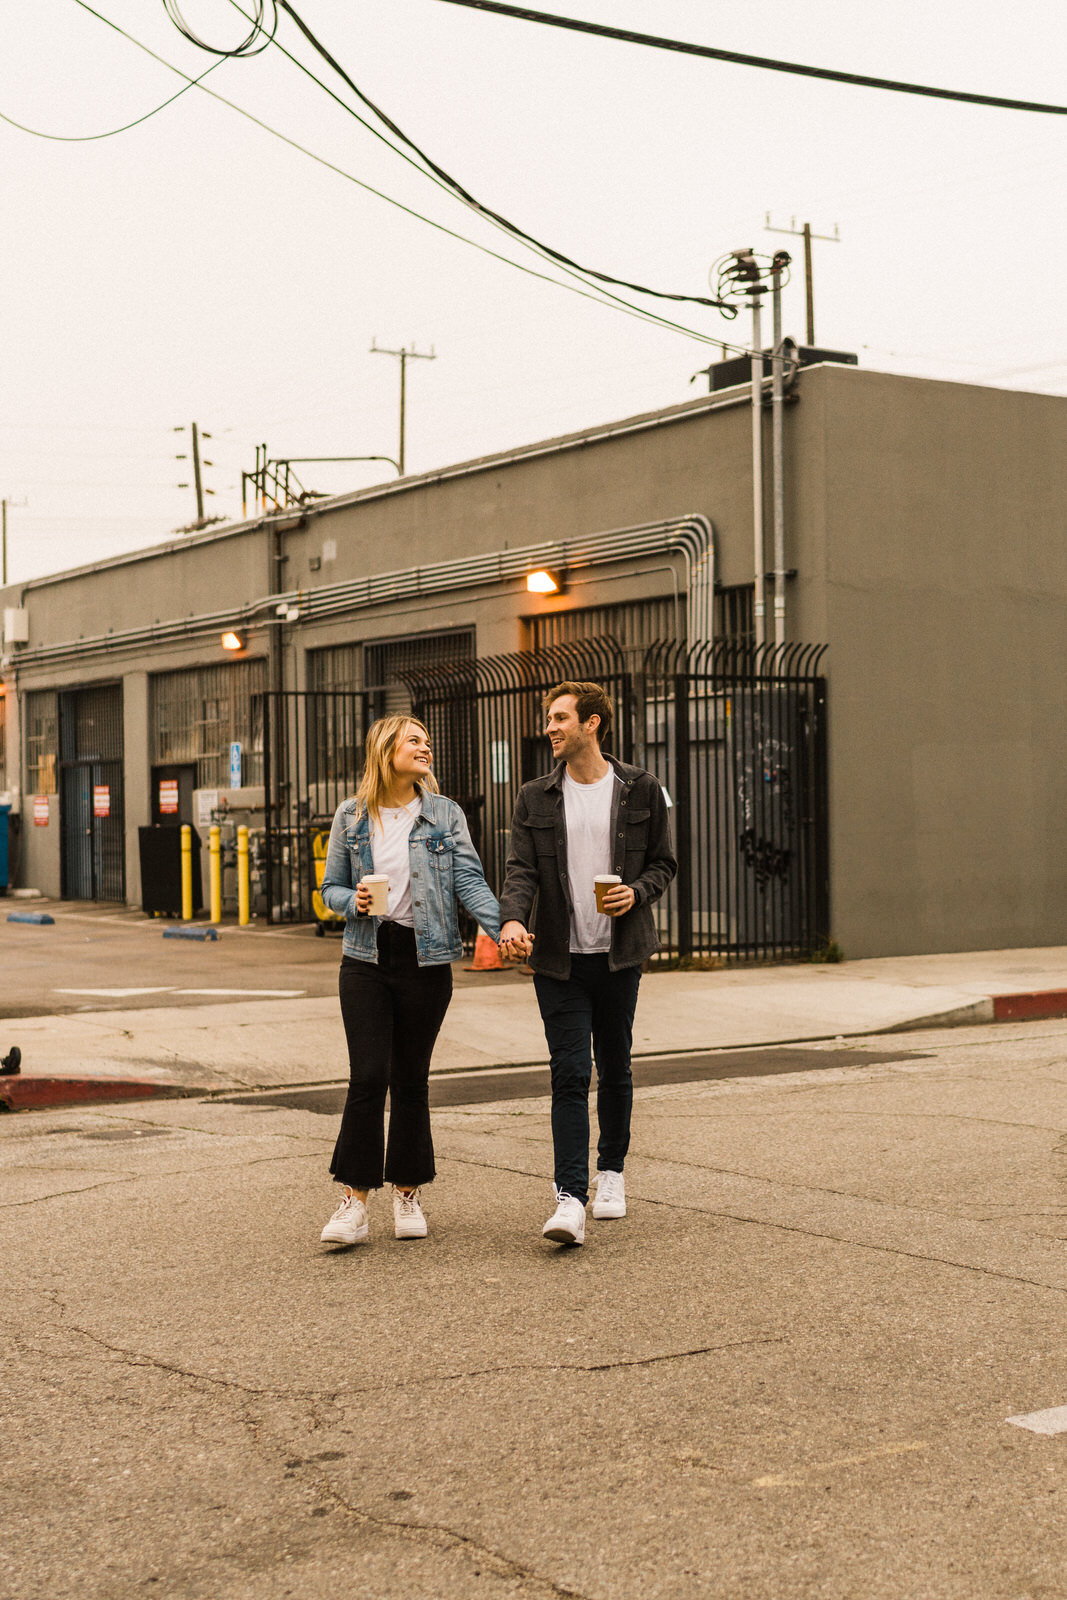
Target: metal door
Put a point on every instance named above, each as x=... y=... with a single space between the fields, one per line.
x=92 y=811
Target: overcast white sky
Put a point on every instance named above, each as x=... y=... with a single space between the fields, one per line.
x=197 y=267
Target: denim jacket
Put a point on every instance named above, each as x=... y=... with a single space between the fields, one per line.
x=444 y=868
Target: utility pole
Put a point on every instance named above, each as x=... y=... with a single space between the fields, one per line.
x=403 y=356
x=3 y=535
x=804 y=232
x=198 y=480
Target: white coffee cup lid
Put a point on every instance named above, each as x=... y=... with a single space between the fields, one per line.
x=376 y=877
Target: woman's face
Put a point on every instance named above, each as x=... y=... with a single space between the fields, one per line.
x=412 y=756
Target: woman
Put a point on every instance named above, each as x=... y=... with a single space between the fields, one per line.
x=396 y=974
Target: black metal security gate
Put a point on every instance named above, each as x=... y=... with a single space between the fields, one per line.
x=312 y=760
x=91 y=809
x=736 y=736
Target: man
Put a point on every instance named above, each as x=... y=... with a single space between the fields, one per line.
x=592 y=816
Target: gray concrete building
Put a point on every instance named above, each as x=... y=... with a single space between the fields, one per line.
x=925 y=542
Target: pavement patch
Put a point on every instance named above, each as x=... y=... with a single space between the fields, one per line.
x=1052 y=1421
x=526 y=1081
x=38 y=1094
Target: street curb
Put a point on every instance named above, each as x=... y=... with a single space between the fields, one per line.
x=40 y=1094
x=1030 y=1007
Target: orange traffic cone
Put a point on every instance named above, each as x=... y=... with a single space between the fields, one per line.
x=486 y=955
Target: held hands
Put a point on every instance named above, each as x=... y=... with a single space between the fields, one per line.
x=618 y=899
x=515 y=943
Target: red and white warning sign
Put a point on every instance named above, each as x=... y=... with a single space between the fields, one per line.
x=101 y=800
x=40 y=811
x=168 y=796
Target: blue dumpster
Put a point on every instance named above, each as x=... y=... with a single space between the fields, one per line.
x=4 y=811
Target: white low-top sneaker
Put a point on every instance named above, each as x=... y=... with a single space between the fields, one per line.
x=348 y=1225
x=566 y=1225
x=610 y=1196
x=408 y=1219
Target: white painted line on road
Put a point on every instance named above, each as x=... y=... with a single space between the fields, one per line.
x=253 y=994
x=119 y=994
x=1052 y=1421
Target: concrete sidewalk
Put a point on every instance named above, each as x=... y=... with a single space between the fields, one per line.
x=249 y=1043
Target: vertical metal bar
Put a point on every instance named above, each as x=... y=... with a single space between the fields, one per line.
x=681 y=800
x=268 y=791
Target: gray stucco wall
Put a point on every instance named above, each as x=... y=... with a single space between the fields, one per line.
x=946 y=606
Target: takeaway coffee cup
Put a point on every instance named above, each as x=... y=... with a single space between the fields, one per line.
x=378 y=884
x=601 y=884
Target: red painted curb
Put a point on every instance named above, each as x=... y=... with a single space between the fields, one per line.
x=1030 y=1007
x=36 y=1094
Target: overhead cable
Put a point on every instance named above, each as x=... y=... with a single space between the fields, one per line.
x=542 y=251
x=590 y=292
x=469 y=199
x=88 y=138
x=767 y=63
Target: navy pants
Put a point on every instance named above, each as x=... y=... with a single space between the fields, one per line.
x=589 y=1014
x=392 y=1011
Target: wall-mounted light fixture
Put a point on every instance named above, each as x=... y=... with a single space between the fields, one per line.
x=232 y=641
x=544 y=582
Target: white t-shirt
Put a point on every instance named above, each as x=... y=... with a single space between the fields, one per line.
x=389 y=851
x=587 y=809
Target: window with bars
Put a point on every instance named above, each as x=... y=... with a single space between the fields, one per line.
x=635 y=624
x=338 y=667
x=41 y=717
x=735 y=612
x=384 y=661
x=196 y=714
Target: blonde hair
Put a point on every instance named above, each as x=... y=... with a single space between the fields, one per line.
x=383 y=737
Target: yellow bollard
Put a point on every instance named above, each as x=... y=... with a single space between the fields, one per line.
x=187 y=873
x=215 y=873
x=243 y=917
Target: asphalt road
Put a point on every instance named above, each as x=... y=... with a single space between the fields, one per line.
x=788 y=1373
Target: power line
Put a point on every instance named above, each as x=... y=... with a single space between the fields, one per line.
x=88 y=138
x=767 y=63
x=453 y=190
x=590 y=292
x=486 y=211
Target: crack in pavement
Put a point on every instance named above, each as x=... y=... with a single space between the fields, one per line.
x=438 y=1532
x=157 y=1176
x=815 y=1233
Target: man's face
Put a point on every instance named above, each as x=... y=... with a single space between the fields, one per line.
x=567 y=736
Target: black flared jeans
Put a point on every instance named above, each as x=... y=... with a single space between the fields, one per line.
x=392 y=1011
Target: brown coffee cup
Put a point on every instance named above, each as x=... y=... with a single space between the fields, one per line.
x=601 y=884
x=378 y=884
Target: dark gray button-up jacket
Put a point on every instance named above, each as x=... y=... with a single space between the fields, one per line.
x=536 y=888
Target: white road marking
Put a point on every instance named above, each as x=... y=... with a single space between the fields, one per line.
x=253 y=994
x=119 y=994
x=1052 y=1421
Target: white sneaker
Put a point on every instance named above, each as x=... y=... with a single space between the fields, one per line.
x=610 y=1196
x=348 y=1225
x=407 y=1215
x=566 y=1225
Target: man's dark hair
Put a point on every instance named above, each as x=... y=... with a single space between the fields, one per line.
x=591 y=699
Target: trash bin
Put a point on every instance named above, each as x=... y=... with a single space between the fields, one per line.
x=161 y=870
x=5 y=811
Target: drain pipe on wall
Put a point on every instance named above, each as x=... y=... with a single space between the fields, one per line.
x=780 y=262
x=755 y=290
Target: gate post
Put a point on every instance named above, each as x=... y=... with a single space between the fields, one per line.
x=683 y=830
